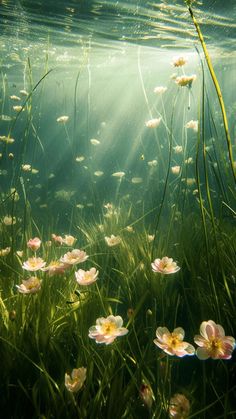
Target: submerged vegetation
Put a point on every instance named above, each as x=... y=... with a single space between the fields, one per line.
x=118 y=242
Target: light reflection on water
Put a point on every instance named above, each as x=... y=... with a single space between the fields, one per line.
x=164 y=24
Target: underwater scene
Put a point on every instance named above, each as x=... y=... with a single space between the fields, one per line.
x=117 y=209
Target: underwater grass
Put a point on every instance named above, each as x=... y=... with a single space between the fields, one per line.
x=44 y=335
x=49 y=332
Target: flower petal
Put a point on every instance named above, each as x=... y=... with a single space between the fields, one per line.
x=202 y=353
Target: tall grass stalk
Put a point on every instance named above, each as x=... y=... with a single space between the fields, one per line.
x=216 y=84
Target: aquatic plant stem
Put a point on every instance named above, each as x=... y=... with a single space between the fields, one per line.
x=211 y=210
x=201 y=134
x=217 y=87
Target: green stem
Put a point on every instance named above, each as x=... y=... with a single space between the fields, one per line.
x=217 y=87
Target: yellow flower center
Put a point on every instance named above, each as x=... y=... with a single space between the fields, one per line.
x=108 y=328
x=32 y=284
x=174 y=341
x=215 y=346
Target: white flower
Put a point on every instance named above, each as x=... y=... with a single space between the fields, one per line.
x=24 y=92
x=108 y=206
x=129 y=229
x=19 y=253
x=79 y=159
x=175 y=170
x=55 y=267
x=185 y=80
x=179 y=407
x=34 y=264
x=14 y=97
x=86 y=277
x=29 y=286
x=113 y=240
x=189 y=160
x=93 y=141
x=165 y=266
x=74 y=257
x=159 y=90
x=179 y=61
x=107 y=329
x=17 y=108
x=192 y=125
x=190 y=181
x=173 y=343
x=152 y=163
x=34 y=171
x=178 y=149
x=153 y=123
x=75 y=381
x=118 y=174
x=26 y=167
x=63 y=119
x=136 y=180
x=98 y=173
x=69 y=240
x=8 y=220
x=5 y=252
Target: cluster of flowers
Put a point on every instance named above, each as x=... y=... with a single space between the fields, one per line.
x=33 y=284
x=179 y=406
x=181 y=80
x=212 y=342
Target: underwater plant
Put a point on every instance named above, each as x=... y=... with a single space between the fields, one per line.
x=34 y=244
x=74 y=257
x=29 y=286
x=213 y=343
x=75 y=381
x=179 y=406
x=34 y=264
x=165 y=266
x=173 y=342
x=107 y=329
x=86 y=277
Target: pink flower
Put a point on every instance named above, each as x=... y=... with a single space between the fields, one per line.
x=213 y=343
x=29 y=286
x=57 y=239
x=165 y=266
x=107 y=329
x=74 y=257
x=34 y=244
x=172 y=343
x=56 y=267
x=153 y=123
x=146 y=395
x=34 y=264
x=179 y=406
x=86 y=277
